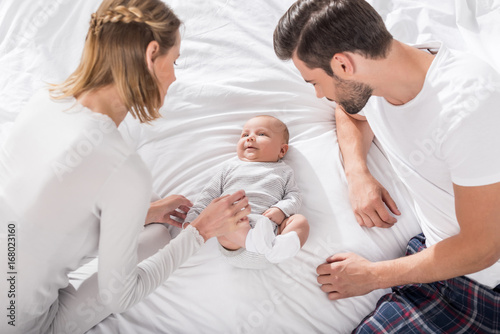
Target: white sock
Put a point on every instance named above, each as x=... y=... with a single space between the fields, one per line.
x=285 y=246
x=249 y=242
x=260 y=238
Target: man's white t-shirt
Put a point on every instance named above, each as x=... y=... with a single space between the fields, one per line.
x=449 y=133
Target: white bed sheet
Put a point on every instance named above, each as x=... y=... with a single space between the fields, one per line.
x=228 y=73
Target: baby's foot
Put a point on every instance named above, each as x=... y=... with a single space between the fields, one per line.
x=260 y=238
x=285 y=246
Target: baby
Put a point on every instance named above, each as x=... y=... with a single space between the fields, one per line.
x=274 y=230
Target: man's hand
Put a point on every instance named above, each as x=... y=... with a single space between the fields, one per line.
x=346 y=275
x=370 y=201
x=367 y=196
x=275 y=215
x=162 y=210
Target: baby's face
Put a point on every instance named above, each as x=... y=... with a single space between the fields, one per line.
x=262 y=140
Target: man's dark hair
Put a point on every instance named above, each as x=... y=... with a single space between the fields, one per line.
x=318 y=29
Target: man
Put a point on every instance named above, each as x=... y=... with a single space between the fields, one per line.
x=436 y=116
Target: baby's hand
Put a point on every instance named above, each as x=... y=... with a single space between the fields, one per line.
x=275 y=214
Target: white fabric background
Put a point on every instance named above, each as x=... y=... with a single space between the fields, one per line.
x=228 y=73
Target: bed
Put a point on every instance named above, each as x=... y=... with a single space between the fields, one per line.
x=228 y=73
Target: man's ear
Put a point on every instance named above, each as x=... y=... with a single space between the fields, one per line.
x=342 y=65
x=152 y=51
x=284 y=149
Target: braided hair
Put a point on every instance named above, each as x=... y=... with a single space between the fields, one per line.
x=115 y=53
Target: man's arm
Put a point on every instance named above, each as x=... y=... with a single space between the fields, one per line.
x=366 y=194
x=474 y=248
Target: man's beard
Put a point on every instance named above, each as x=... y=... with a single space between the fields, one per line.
x=353 y=95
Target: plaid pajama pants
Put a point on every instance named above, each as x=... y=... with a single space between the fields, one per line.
x=458 y=305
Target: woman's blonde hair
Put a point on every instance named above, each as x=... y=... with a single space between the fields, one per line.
x=115 y=53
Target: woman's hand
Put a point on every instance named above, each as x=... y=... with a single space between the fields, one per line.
x=223 y=215
x=162 y=210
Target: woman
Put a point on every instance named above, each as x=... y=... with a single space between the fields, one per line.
x=70 y=187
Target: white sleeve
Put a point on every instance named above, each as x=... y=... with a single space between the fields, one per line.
x=80 y=310
x=154 y=197
x=471 y=148
x=212 y=190
x=124 y=203
x=120 y=282
x=291 y=202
